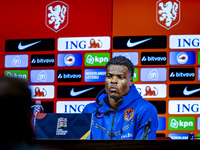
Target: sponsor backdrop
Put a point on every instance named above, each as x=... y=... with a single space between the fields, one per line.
x=161 y=38
x=62 y=47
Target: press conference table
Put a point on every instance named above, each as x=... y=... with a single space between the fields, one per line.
x=118 y=144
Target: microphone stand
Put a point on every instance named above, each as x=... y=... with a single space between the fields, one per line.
x=100 y=105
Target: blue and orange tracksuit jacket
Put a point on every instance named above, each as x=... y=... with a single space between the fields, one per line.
x=135 y=118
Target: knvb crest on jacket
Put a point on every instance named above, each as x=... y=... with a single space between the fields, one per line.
x=57 y=15
x=128 y=114
x=168 y=13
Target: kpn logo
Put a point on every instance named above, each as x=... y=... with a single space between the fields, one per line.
x=21 y=74
x=135 y=75
x=181 y=123
x=199 y=57
x=96 y=59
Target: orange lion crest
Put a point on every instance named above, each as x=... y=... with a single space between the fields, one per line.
x=94 y=44
x=128 y=114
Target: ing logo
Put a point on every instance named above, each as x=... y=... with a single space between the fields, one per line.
x=94 y=44
x=42 y=92
x=150 y=92
x=128 y=115
x=39 y=92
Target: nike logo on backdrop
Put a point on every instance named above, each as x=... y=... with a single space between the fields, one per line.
x=73 y=93
x=129 y=44
x=22 y=47
x=186 y=92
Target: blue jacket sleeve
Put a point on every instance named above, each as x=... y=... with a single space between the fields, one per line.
x=148 y=123
x=89 y=108
x=85 y=109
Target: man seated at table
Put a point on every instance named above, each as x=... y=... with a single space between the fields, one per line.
x=119 y=111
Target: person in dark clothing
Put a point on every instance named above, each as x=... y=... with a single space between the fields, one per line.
x=16 y=128
x=119 y=111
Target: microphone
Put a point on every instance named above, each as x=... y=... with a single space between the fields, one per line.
x=146 y=130
x=100 y=105
x=190 y=136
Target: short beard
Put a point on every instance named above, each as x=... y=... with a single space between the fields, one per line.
x=116 y=98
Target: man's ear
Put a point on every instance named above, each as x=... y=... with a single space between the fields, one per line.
x=131 y=81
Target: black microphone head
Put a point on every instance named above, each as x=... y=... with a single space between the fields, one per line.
x=190 y=136
x=100 y=104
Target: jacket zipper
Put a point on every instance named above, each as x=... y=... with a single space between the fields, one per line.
x=112 y=124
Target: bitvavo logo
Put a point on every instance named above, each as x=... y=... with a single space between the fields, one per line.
x=182 y=74
x=96 y=59
x=69 y=75
x=181 y=123
x=153 y=58
x=43 y=60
